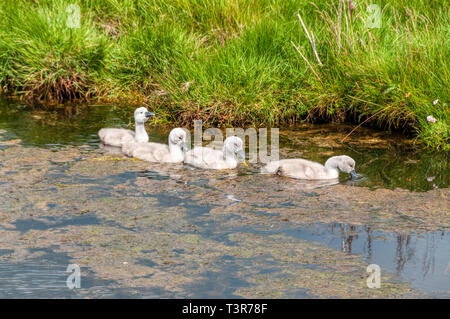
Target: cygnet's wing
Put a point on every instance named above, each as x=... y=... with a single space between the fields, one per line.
x=203 y=157
x=301 y=169
x=152 y=152
x=128 y=145
x=161 y=152
x=114 y=136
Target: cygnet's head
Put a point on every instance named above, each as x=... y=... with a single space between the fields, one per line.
x=178 y=137
x=346 y=164
x=141 y=115
x=234 y=145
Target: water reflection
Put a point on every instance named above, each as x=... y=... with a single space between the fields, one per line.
x=421 y=259
x=386 y=160
x=113 y=150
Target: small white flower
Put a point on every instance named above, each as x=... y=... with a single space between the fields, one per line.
x=186 y=86
x=430 y=178
x=435 y=102
x=431 y=119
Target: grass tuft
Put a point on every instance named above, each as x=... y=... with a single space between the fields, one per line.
x=246 y=62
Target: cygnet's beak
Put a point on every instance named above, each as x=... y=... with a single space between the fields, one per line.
x=149 y=114
x=184 y=147
x=354 y=175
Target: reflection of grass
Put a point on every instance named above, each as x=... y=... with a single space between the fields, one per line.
x=232 y=62
x=392 y=170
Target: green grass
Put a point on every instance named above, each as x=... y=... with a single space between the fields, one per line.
x=231 y=62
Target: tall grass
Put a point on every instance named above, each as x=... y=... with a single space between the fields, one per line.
x=233 y=62
x=43 y=59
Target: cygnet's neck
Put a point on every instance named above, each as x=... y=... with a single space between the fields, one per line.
x=331 y=167
x=176 y=153
x=141 y=133
x=229 y=156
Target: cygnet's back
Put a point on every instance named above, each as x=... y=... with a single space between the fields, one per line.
x=304 y=169
x=208 y=158
x=296 y=168
x=115 y=136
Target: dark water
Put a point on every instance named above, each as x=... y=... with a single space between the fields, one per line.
x=421 y=259
x=42 y=277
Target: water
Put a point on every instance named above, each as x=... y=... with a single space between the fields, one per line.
x=386 y=159
x=160 y=231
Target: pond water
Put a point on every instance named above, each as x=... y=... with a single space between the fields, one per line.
x=158 y=231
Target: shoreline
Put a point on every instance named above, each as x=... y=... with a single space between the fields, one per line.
x=165 y=122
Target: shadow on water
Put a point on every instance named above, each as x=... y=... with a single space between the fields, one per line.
x=223 y=283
